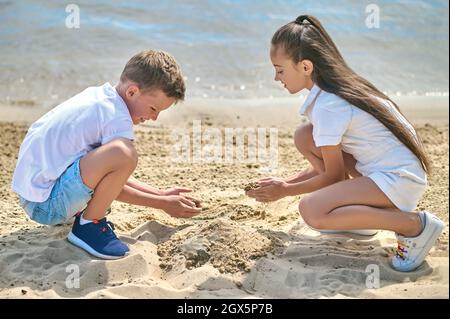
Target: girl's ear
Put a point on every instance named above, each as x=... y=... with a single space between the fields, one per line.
x=307 y=67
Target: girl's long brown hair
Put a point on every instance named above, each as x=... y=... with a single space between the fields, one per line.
x=305 y=38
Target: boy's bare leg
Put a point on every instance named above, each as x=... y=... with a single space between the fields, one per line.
x=106 y=170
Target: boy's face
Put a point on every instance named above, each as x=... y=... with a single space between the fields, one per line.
x=294 y=76
x=144 y=106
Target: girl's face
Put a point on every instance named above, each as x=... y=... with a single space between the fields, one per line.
x=294 y=76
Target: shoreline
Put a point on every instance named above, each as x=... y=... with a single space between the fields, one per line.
x=252 y=112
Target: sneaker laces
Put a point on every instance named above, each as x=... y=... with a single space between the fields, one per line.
x=401 y=249
x=106 y=228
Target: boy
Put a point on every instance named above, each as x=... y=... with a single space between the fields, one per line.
x=79 y=156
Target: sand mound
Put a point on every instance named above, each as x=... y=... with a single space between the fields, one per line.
x=224 y=244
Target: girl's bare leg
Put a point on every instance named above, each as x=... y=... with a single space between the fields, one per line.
x=356 y=204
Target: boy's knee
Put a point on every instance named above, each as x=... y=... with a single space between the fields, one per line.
x=125 y=151
x=303 y=138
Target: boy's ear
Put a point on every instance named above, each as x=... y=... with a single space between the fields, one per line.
x=132 y=90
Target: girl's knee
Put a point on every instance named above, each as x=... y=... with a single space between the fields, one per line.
x=303 y=138
x=310 y=212
x=305 y=208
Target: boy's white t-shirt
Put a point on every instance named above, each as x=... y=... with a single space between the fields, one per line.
x=375 y=148
x=66 y=133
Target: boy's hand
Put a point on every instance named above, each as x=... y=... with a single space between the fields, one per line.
x=175 y=191
x=196 y=202
x=181 y=206
x=270 y=189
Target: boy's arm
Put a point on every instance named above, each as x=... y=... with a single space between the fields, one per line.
x=136 y=184
x=174 y=205
x=143 y=187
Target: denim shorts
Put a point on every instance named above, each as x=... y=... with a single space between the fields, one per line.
x=68 y=196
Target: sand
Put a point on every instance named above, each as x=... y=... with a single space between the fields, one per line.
x=237 y=248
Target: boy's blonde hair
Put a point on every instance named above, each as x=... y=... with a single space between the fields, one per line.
x=153 y=70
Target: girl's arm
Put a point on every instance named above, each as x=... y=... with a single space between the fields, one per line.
x=302 y=176
x=334 y=172
x=275 y=188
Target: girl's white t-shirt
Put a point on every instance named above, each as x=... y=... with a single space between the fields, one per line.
x=375 y=148
x=66 y=133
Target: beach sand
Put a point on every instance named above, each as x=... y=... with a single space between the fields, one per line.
x=237 y=248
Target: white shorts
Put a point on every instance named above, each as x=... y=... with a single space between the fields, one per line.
x=405 y=193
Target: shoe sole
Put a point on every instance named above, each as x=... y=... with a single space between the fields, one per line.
x=81 y=244
x=361 y=232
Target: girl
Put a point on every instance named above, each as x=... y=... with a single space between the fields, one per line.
x=355 y=131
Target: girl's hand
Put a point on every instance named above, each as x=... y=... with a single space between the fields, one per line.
x=270 y=189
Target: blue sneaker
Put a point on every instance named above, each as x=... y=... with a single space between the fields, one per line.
x=98 y=239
